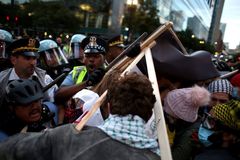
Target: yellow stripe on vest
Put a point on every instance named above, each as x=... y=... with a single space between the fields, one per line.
x=78 y=74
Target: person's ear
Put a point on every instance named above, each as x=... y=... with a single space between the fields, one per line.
x=13 y=59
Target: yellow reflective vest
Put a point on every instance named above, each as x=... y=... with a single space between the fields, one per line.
x=78 y=74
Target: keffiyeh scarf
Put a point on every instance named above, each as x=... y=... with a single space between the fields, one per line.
x=129 y=130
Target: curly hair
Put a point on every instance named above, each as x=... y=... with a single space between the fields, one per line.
x=132 y=94
x=109 y=80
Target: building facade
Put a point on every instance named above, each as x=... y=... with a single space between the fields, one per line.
x=214 y=31
x=187 y=14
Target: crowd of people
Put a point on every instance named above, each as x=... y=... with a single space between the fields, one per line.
x=39 y=112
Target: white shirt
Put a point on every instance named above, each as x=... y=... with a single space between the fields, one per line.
x=48 y=79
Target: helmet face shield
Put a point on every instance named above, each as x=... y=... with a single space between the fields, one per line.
x=76 y=51
x=3 y=54
x=52 y=58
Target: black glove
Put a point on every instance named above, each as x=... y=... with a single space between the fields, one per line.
x=134 y=51
x=95 y=77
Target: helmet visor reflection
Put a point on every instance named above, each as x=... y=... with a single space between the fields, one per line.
x=76 y=52
x=53 y=58
x=3 y=50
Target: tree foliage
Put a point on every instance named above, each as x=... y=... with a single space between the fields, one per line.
x=192 y=43
x=143 y=18
x=52 y=17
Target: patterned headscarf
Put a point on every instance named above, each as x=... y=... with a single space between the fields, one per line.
x=220 y=85
x=228 y=114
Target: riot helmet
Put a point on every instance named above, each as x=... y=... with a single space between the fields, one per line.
x=5 y=40
x=51 y=55
x=76 y=52
x=23 y=91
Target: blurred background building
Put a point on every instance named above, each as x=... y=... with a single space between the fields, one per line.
x=201 y=17
x=188 y=14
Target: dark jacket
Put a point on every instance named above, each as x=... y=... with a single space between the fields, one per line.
x=184 y=146
x=65 y=143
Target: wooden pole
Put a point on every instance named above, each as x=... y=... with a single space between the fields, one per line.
x=178 y=41
x=229 y=74
x=158 y=110
x=156 y=34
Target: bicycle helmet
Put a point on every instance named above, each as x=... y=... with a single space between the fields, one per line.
x=23 y=91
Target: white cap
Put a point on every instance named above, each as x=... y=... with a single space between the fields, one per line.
x=89 y=98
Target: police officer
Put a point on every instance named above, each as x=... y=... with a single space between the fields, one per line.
x=24 y=108
x=5 y=40
x=24 y=59
x=83 y=76
x=75 y=56
x=51 y=59
x=116 y=47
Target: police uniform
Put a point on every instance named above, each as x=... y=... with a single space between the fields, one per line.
x=90 y=45
x=116 y=46
x=116 y=40
x=26 y=47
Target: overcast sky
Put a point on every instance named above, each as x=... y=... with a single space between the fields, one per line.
x=231 y=16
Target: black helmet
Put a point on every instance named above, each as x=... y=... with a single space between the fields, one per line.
x=23 y=91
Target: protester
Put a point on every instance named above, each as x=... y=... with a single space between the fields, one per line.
x=219 y=132
x=84 y=101
x=181 y=111
x=235 y=81
x=24 y=108
x=109 y=78
x=221 y=91
x=122 y=136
